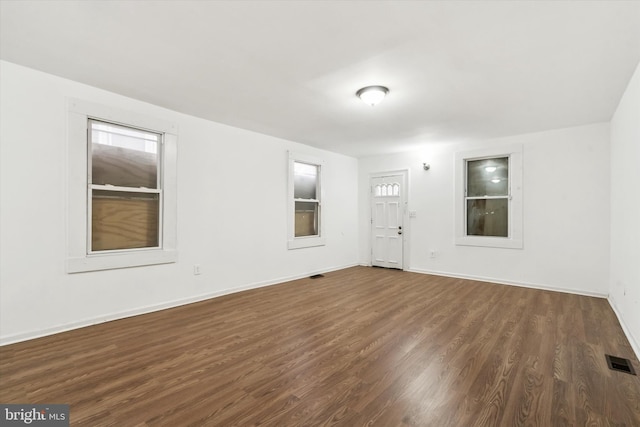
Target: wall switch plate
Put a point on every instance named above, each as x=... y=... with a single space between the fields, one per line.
x=196 y=269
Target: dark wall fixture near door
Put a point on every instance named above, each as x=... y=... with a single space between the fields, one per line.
x=619 y=364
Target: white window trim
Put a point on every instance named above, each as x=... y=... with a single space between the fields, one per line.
x=515 y=237
x=306 y=241
x=78 y=257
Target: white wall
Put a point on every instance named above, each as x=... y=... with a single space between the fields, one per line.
x=625 y=211
x=566 y=212
x=231 y=213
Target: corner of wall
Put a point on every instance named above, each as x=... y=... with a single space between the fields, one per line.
x=624 y=277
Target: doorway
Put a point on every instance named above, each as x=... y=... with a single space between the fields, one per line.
x=388 y=206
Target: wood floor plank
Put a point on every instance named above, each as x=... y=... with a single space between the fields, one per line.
x=359 y=347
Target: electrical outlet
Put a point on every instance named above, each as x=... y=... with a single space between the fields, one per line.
x=196 y=270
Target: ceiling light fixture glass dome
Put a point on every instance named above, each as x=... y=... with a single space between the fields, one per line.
x=372 y=95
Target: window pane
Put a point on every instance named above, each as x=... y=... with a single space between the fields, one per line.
x=305 y=181
x=122 y=220
x=487 y=217
x=306 y=219
x=123 y=156
x=488 y=177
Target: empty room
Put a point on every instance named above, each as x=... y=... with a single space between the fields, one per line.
x=310 y=213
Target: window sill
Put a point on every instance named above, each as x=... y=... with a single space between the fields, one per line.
x=489 y=242
x=305 y=242
x=120 y=260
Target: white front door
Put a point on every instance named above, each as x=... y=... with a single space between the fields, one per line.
x=387 y=207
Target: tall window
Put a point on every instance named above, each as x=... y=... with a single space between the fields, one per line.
x=122 y=205
x=305 y=202
x=125 y=187
x=306 y=196
x=489 y=197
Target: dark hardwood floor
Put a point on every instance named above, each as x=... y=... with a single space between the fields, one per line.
x=361 y=346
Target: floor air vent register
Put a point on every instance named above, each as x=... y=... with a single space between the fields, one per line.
x=619 y=364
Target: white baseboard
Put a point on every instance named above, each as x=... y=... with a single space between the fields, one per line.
x=25 y=336
x=511 y=283
x=634 y=344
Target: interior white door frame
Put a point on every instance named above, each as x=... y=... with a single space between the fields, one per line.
x=404 y=197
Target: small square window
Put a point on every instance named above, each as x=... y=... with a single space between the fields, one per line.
x=306 y=219
x=123 y=156
x=488 y=177
x=124 y=220
x=488 y=217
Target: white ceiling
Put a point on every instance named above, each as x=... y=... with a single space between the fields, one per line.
x=456 y=70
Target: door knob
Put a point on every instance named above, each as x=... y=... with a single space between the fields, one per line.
x=399 y=231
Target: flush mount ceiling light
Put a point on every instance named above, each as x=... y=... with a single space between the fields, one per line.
x=372 y=95
x=490 y=169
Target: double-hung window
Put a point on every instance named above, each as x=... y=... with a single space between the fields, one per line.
x=121 y=189
x=306 y=197
x=489 y=197
x=125 y=188
x=305 y=207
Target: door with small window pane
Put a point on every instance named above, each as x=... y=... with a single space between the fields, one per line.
x=387 y=234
